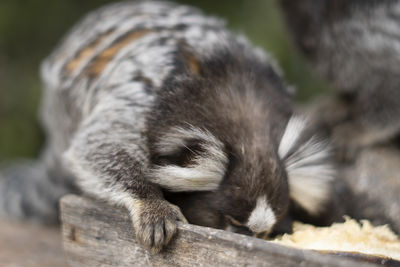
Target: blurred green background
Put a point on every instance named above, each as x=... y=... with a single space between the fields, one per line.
x=30 y=29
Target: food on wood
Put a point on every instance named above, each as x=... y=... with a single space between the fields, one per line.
x=349 y=236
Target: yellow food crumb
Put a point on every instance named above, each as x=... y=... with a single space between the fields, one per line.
x=349 y=236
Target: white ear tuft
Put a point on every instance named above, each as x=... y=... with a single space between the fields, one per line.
x=293 y=130
x=309 y=169
x=206 y=170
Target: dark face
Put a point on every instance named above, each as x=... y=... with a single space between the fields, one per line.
x=255 y=195
x=248 y=201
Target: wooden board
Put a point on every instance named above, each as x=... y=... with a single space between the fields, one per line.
x=25 y=244
x=96 y=234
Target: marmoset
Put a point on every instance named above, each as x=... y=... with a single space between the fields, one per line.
x=354 y=45
x=153 y=99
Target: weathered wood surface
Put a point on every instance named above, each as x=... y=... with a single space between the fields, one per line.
x=29 y=245
x=95 y=234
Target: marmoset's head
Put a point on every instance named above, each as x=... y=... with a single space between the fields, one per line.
x=244 y=189
x=227 y=149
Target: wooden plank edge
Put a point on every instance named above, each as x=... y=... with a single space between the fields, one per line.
x=104 y=229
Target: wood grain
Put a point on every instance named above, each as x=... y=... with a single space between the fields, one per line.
x=96 y=234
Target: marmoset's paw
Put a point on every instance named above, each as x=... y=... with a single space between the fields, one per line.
x=155 y=223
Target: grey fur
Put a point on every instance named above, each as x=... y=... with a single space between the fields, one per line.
x=355 y=45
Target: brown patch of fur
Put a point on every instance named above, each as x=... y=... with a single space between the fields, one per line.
x=192 y=62
x=100 y=62
x=189 y=59
x=85 y=53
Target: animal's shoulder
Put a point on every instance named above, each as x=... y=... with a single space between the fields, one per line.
x=94 y=42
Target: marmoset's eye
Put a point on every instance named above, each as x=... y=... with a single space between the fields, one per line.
x=237 y=227
x=234 y=222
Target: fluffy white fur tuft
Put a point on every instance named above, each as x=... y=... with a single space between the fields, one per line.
x=207 y=169
x=309 y=170
x=262 y=218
